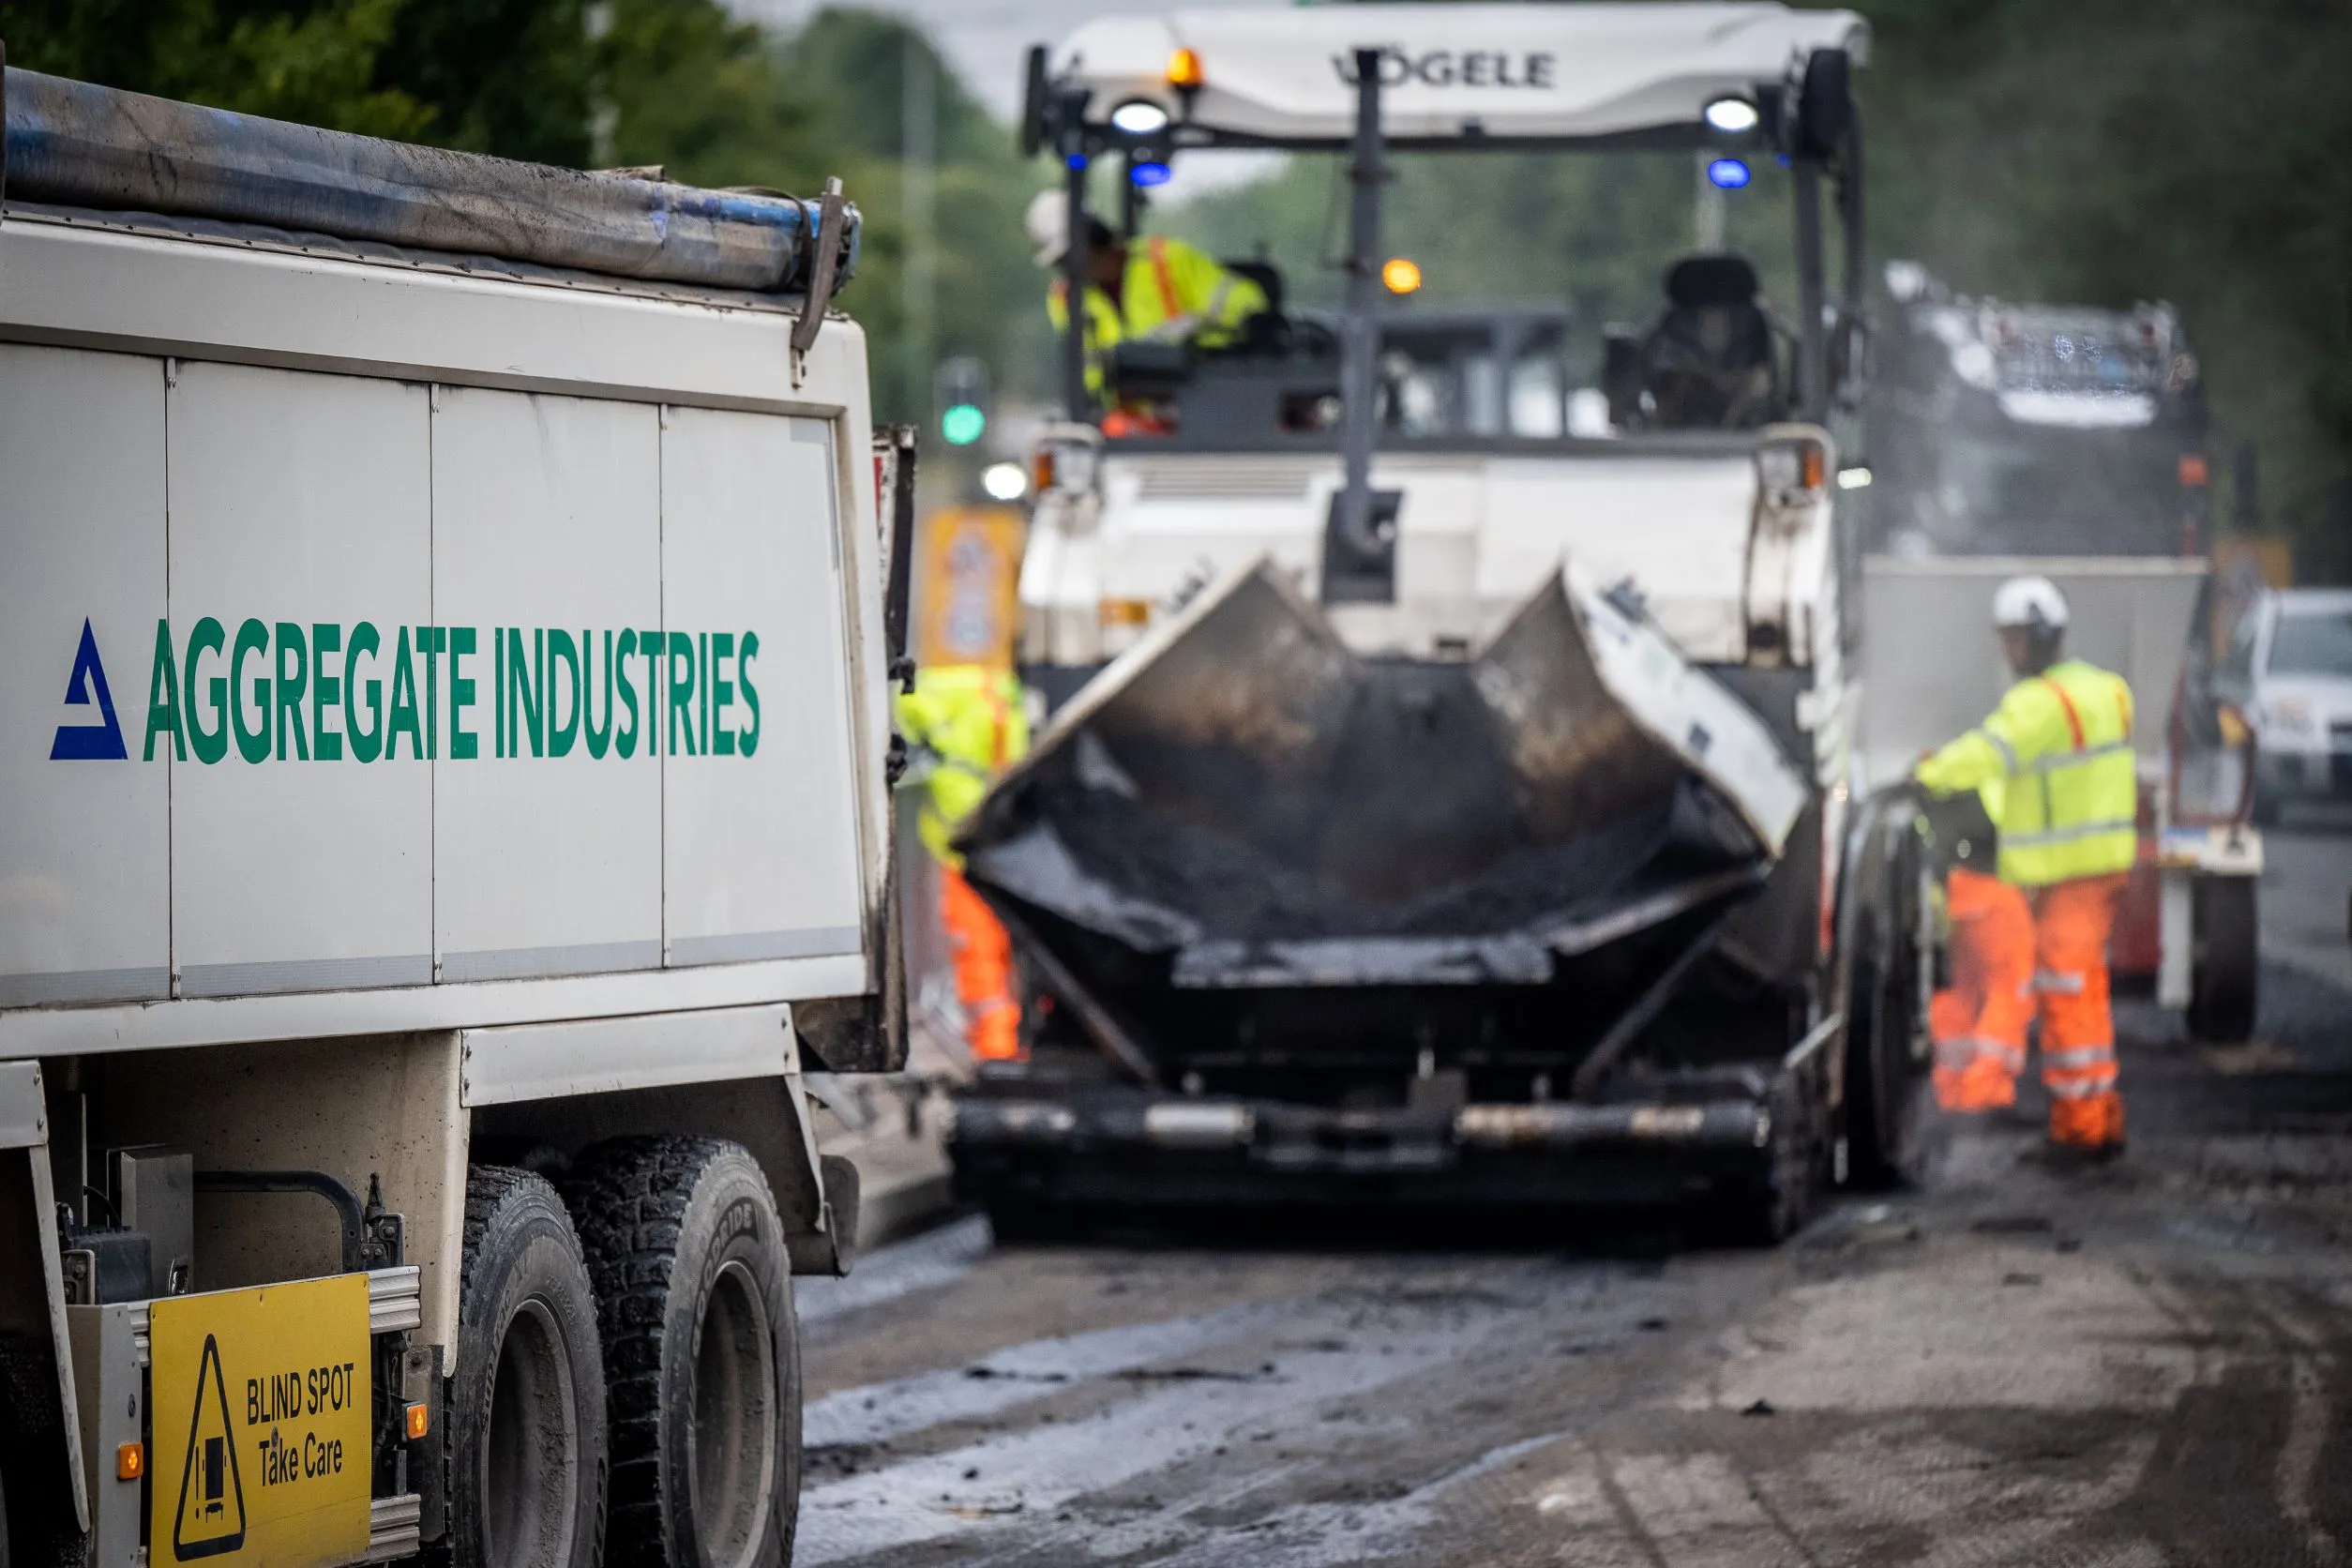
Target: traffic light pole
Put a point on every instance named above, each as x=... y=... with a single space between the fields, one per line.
x=918 y=105
x=1070 y=113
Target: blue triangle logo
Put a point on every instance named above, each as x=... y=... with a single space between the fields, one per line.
x=89 y=742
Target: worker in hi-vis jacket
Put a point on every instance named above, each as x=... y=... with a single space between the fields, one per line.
x=2059 y=748
x=1154 y=290
x=968 y=725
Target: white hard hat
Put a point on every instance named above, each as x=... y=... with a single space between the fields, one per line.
x=2030 y=601
x=1048 y=224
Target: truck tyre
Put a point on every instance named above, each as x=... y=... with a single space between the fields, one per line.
x=2223 y=958
x=1886 y=1087
x=694 y=1292
x=525 y=1414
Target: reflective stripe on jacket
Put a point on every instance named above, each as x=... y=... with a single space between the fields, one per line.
x=2060 y=747
x=970 y=720
x=1171 y=293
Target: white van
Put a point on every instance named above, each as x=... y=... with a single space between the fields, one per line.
x=2290 y=669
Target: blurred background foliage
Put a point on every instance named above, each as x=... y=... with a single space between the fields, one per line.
x=2094 y=151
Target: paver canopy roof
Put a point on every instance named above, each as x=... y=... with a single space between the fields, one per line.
x=1545 y=73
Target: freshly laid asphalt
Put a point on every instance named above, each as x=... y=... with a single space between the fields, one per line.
x=2145 y=1364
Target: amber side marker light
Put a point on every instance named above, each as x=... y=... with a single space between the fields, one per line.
x=130 y=1461
x=1812 y=463
x=1400 y=276
x=1123 y=612
x=418 y=1421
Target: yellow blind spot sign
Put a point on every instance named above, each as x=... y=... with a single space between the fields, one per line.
x=259 y=1416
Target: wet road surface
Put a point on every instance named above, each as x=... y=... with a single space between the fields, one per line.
x=2146 y=1364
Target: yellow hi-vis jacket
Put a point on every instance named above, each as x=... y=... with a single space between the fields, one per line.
x=970 y=720
x=1171 y=293
x=2059 y=745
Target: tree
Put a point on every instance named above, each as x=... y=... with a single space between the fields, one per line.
x=852 y=68
x=312 y=63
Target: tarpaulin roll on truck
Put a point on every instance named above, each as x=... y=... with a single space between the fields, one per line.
x=79 y=145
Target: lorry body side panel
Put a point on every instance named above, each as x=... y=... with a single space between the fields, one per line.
x=761 y=835
x=85 y=847
x=547 y=519
x=298 y=501
x=358 y=629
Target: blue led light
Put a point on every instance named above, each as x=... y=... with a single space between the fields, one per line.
x=1728 y=173
x=1077 y=160
x=1149 y=174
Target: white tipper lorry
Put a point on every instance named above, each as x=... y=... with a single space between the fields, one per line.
x=445 y=750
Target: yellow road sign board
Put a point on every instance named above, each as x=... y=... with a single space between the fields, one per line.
x=967 y=581
x=259 y=1415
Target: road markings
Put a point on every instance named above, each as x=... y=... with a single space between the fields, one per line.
x=1336 y=1347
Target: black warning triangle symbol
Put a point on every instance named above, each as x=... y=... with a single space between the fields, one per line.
x=89 y=742
x=212 y=1494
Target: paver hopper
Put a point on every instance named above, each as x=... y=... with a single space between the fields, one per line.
x=1246 y=850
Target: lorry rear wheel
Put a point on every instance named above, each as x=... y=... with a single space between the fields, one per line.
x=525 y=1422
x=2224 y=959
x=694 y=1291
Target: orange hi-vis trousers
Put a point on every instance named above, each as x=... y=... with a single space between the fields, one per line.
x=1979 y=1021
x=2071 y=922
x=984 y=969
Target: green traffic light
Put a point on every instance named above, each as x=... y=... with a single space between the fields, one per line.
x=962 y=424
